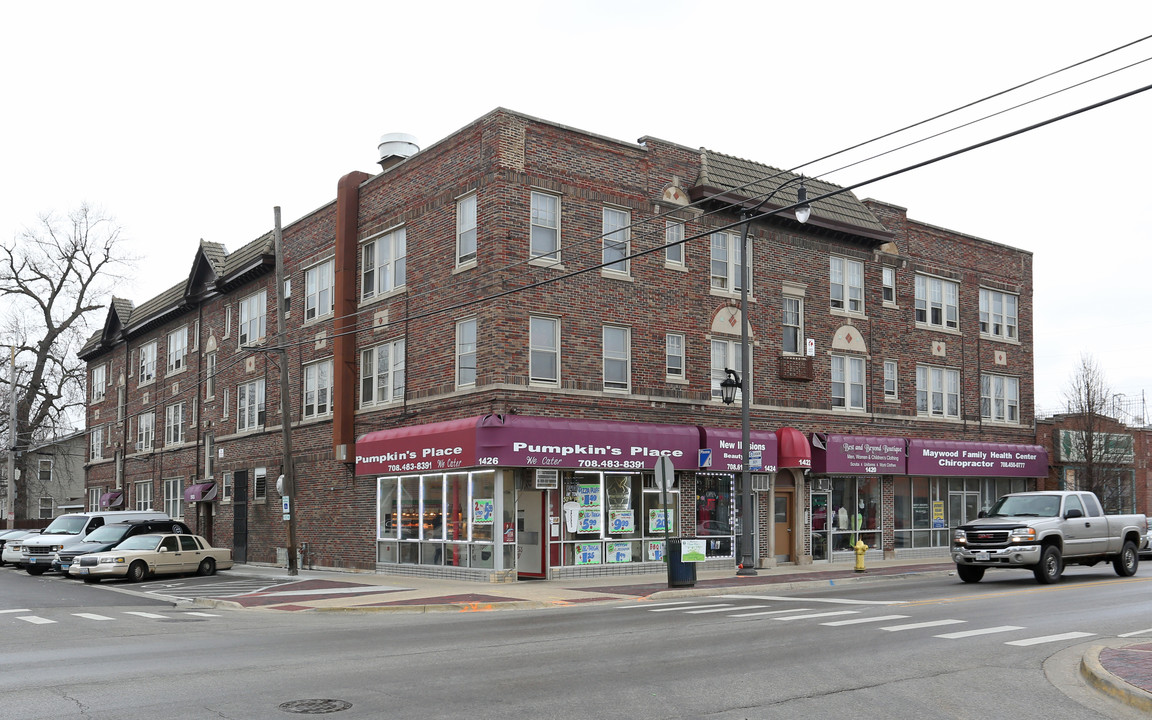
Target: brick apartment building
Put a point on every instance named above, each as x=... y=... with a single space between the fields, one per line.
x=490 y=342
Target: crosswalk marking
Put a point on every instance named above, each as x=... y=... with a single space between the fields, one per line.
x=691 y=607
x=648 y=606
x=717 y=609
x=16 y=610
x=202 y=614
x=818 y=615
x=857 y=621
x=831 y=601
x=35 y=620
x=770 y=612
x=916 y=626
x=145 y=614
x=92 y=616
x=1050 y=638
x=981 y=631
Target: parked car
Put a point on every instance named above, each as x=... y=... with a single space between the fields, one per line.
x=70 y=529
x=109 y=536
x=5 y=534
x=137 y=557
x=1146 y=544
x=14 y=547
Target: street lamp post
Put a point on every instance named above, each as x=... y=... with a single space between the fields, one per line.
x=746 y=564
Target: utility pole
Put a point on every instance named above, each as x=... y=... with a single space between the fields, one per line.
x=11 y=477
x=285 y=413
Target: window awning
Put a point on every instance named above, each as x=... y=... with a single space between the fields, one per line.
x=203 y=492
x=976 y=459
x=858 y=455
x=112 y=499
x=795 y=452
x=727 y=446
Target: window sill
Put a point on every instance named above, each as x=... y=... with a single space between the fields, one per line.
x=677 y=381
x=546 y=262
x=317 y=320
x=169 y=372
x=364 y=302
x=839 y=312
x=939 y=329
x=1006 y=341
x=678 y=267
x=616 y=275
x=732 y=294
x=465 y=266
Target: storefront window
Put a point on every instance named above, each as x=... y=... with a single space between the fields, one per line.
x=926 y=510
x=854 y=513
x=714 y=513
x=612 y=518
x=435 y=519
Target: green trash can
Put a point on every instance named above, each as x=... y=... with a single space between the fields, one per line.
x=680 y=573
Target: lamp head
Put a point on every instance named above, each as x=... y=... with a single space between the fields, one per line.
x=803 y=210
x=729 y=386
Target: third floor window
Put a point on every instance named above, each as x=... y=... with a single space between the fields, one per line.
x=999 y=316
x=318 y=300
x=846 y=280
x=384 y=263
x=937 y=302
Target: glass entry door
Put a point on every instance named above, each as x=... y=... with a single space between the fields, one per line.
x=821 y=527
x=962 y=507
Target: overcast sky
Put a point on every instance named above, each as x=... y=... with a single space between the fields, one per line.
x=189 y=121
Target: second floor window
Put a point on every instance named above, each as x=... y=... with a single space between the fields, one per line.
x=544 y=242
x=96 y=443
x=385 y=263
x=998 y=314
x=99 y=382
x=318 y=291
x=147 y=355
x=174 y=497
x=250 y=405
x=937 y=392
x=891 y=388
x=848 y=382
x=617 y=358
x=674 y=354
x=1000 y=398
x=210 y=375
x=382 y=374
x=544 y=351
x=889 y=284
x=174 y=424
x=253 y=316
x=793 y=325
x=726 y=355
x=726 y=262
x=145 y=431
x=466 y=229
x=617 y=239
x=674 y=239
x=466 y=352
x=177 y=349
x=318 y=389
x=143 y=495
x=846 y=279
x=937 y=302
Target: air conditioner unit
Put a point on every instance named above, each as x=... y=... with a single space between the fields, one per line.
x=821 y=484
x=761 y=483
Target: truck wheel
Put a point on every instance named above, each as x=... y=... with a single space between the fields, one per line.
x=1128 y=561
x=970 y=573
x=1050 y=567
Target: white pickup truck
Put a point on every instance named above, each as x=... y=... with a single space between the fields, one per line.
x=1043 y=531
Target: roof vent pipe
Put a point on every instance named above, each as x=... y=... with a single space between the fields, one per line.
x=396 y=147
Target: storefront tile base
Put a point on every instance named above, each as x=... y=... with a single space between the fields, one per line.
x=448 y=573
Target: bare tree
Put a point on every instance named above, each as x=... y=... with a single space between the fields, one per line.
x=1096 y=442
x=55 y=277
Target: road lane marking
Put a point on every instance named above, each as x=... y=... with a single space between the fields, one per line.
x=721 y=608
x=1138 y=632
x=832 y=601
x=692 y=607
x=1050 y=638
x=36 y=620
x=917 y=626
x=818 y=615
x=648 y=606
x=15 y=611
x=202 y=614
x=981 y=631
x=857 y=621
x=145 y=614
x=91 y=616
x=770 y=612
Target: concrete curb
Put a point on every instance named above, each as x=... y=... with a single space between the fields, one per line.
x=1095 y=675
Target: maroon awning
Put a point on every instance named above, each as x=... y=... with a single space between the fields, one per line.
x=858 y=455
x=112 y=499
x=203 y=492
x=795 y=452
x=976 y=459
x=727 y=448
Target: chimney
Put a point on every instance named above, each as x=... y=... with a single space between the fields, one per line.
x=395 y=148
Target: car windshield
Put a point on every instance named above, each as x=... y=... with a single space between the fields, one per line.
x=108 y=533
x=1026 y=506
x=65 y=525
x=140 y=542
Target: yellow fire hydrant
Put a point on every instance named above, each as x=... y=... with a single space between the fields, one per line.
x=860 y=548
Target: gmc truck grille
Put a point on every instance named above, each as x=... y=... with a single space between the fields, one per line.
x=978 y=538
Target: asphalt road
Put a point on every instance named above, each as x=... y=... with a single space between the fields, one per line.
x=897 y=649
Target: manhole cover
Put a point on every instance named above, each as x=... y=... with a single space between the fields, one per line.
x=314 y=707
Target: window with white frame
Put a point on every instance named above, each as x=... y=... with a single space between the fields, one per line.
x=848 y=382
x=174 y=424
x=318 y=389
x=96 y=443
x=47 y=505
x=226 y=487
x=45 y=471
x=726 y=262
x=225 y=405
x=937 y=302
x=250 y=405
x=674 y=241
x=286 y=295
x=177 y=349
x=726 y=355
x=121 y=403
x=617 y=239
x=143 y=495
x=466 y=229
x=544 y=351
x=674 y=356
x=382 y=374
x=466 y=352
x=846 y=282
x=318 y=300
x=194 y=341
x=228 y=321
x=891 y=385
x=617 y=357
x=145 y=431
x=385 y=263
x=209 y=375
x=544 y=242
x=793 y=325
x=888 y=281
x=999 y=314
x=174 y=497
x=260 y=484
x=1000 y=398
x=99 y=382
x=147 y=357
x=253 y=317
x=94 y=498
x=937 y=392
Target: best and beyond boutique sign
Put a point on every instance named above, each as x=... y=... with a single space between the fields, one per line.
x=858 y=455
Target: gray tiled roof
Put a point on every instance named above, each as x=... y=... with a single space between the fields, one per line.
x=248 y=254
x=166 y=300
x=215 y=253
x=754 y=180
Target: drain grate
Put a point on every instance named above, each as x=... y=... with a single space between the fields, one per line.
x=314 y=707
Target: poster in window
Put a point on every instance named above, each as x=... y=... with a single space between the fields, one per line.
x=622 y=521
x=618 y=552
x=482 y=511
x=588 y=553
x=655 y=550
x=589 y=520
x=656 y=520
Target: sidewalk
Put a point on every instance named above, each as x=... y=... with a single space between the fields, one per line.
x=1122 y=671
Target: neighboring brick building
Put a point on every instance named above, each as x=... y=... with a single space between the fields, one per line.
x=1120 y=453
x=491 y=342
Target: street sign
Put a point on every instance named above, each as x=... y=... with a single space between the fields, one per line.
x=705 y=457
x=755 y=460
x=665 y=473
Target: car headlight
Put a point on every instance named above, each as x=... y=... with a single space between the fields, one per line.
x=113 y=560
x=54 y=548
x=960 y=538
x=1022 y=535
